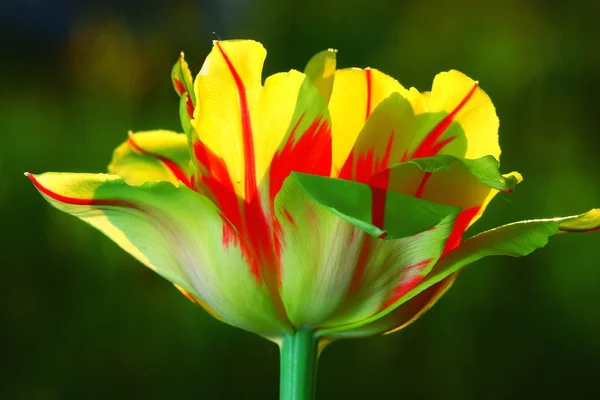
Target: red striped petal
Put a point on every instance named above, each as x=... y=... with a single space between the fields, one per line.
x=171 y=165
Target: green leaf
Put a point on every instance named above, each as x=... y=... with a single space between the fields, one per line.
x=321 y=71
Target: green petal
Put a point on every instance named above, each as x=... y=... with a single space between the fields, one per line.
x=359 y=204
x=333 y=270
x=450 y=180
x=484 y=169
x=185 y=116
x=176 y=232
x=588 y=222
x=182 y=78
x=321 y=70
x=515 y=240
x=184 y=86
x=470 y=184
x=401 y=316
x=152 y=156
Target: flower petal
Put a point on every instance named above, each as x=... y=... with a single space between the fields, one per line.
x=327 y=250
x=152 y=156
x=388 y=270
x=400 y=317
x=516 y=240
x=282 y=126
x=469 y=184
x=178 y=233
x=182 y=78
x=304 y=144
x=356 y=93
x=383 y=140
x=321 y=71
x=379 y=213
x=186 y=113
x=227 y=91
x=458 y=118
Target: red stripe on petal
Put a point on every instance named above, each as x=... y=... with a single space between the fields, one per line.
x=369 y=167
x=379 y=186
x=260 y=236
x=288 y=216
x=408 y=283
x=460 y=226
x=364 y=166
x=218 y=183
x=171 y=165
x=378 y=201
x=250 y=167
x=78 y=201
x=421 y=187
x=189 y=105
x=367 y=164
x=179 y=86
x=361 y=264
x=308 y=152
x=231 y=237
x=439 y=146
x=428 y=146
x=369 y=91
x=385 y=160
x=246 y=216
x=378 y=206
x=346 y=171
x=404 y=156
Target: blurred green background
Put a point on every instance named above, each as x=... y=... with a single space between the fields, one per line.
x=80 y=319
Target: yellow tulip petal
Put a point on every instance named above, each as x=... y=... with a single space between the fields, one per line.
x=356 y=93
x=383 y=141
x=458 y=119
x=152 y=156
x=274 y=112
x=242 y=130
x=227 y=91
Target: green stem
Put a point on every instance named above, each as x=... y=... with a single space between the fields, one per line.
x=298 y=368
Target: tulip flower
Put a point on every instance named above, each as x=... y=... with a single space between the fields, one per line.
x=313 y=206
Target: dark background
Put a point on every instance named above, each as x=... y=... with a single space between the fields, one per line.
x=80 y=319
